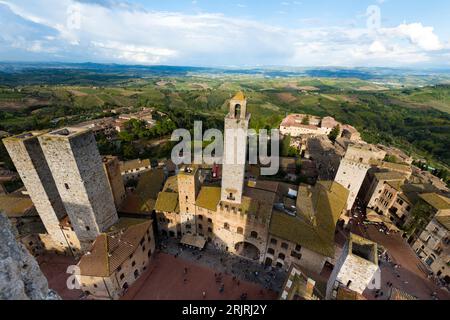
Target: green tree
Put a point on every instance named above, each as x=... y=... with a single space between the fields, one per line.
x=129 y=151
x=334 y=133
x=306 y=120
x=392 y=159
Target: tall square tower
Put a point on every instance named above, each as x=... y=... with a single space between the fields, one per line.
x=358 y=159
x=112 y=170
x=73 y=158
x=235 y=150
x=356 y=269
x=28 y=157
x=188 y=189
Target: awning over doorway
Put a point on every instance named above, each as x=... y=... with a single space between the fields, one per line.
x=195 y=241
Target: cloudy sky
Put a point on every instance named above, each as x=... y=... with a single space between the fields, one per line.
x=391 y=33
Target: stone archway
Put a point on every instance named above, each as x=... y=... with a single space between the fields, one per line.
x=247 y=250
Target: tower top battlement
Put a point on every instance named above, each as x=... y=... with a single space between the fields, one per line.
x=66 y=133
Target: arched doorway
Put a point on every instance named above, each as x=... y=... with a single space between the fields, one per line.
x=268 y=262
x=247 y=250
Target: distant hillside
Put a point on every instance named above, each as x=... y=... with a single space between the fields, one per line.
x=13 y=74
x=416 y=119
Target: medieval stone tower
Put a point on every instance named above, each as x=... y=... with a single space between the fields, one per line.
x=73 y=158
x=353 y=168
x=235 y=150
x=112 y=170
x=188 y=186
x=356 y=268
x=28 y=157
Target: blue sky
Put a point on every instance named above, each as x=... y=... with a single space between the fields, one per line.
x=394 y=33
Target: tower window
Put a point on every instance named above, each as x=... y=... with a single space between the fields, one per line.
x=66 y=186
x=87 y=228
x=237 y=111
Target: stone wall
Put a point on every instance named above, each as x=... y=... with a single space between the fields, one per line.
x=231 y=228
x=233 y=170
x=433 y=248
x=112 y=170
x=351 y=175
x=78 y=171
x=20 y=275
x=188 y=186
x=293 y=254
x=352 y=270
x=113 y=286
x=27 y=155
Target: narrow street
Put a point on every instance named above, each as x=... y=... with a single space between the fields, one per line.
x=404 y=269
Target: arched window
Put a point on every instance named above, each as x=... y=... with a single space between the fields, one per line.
x=237 y=111
x=240 y=230
x=226 y=226
x=270 y=251
x=254 y=234
x=281 y=256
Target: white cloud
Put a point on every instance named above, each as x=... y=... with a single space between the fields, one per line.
x=423 y=37
x=135 y=54
x=122 y=33
x=377 y=47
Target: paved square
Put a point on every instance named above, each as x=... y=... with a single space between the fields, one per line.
x=165 y=280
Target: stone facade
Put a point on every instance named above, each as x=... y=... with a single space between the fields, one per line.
x=235 y=232
x=356 y=267
x=233 y=169
x=282 y=254
x=433 y=248
x=383 y=194
x=28 y=157
x=353 y=168
x=133 y=169
x=127 y=260
x=20 y=275
x=112 y=170
x=73 y=158
x=400 y=209
x=189 y=186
